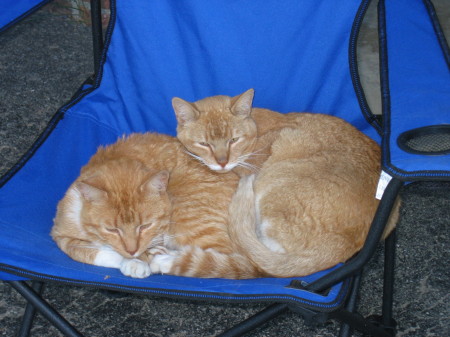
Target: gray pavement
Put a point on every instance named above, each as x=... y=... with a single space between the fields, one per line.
x=45 y=58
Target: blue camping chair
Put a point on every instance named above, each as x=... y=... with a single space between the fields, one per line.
x=301 y=59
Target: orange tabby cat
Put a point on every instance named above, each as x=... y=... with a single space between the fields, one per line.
x=143 y=196
x=222 y=131
x=312 y=200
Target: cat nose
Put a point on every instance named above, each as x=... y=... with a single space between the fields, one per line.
x=223 y=161
x=131 y=251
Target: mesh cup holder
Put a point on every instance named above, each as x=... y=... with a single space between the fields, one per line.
x=428 y=140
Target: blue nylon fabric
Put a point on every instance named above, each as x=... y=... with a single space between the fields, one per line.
x=294 y=55
x=419 y=81
x=12 y=11
x=28 y=204
x=28 y=201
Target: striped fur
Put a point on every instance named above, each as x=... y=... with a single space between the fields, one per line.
x=142 y=196
x=311 y=197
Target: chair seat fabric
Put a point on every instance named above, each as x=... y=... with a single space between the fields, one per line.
x=28 y=252
x=294 y=55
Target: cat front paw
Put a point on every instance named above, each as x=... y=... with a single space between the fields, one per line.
x=157 y=250
x=135 y=268
x=162 y=264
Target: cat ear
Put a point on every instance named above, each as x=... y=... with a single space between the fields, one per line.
x=243 y=103
x=184 y=111
x=157 y=183
x=89 y=192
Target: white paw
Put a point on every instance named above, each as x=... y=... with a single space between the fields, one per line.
x=107 y=257
x=135 y=268
x=162 y=264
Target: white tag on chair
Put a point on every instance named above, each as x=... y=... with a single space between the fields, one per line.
x=382 y=184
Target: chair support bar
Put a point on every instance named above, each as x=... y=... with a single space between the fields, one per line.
x=97 y=33
x=45 y=309
x=388 y=286
x=360 y=323
x=255 y=321
x=346 y=329
x=30 y=311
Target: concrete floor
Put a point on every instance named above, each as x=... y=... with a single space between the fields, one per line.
x=45 y=58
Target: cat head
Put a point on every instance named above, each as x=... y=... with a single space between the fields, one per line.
x=219 y=130
x=125 y=206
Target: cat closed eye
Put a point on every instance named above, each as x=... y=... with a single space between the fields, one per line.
x=204 y=144
x=233 y=140
x=113 y=230
x=142 y=228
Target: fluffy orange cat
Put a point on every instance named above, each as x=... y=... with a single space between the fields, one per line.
x=311 y=198
x=143 y=196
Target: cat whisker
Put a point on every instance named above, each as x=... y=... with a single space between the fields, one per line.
x=252 y=154
x=248 y=166
x=255 y=154
x=244 y=158
x=264 y=148
x=200 y=159
x=259 y=150
x=84 y=246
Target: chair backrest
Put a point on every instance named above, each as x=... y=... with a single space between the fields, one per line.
x=416 y=91
x=12 y=11
x=294 y=53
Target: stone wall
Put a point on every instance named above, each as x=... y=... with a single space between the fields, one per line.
x=79 y=10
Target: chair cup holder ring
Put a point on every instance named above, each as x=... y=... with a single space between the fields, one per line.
x=428 y=140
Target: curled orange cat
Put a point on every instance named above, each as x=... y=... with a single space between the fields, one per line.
x=143 y=206
x=310 y=197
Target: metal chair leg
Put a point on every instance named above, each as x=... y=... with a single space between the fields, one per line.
x=45 y=309
x=346 y=330
x=255 y=321
x=388 y=285
x=385 y=320
x=30 y=312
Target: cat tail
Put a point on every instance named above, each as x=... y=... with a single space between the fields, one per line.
x=192 y=261
x=242 y=229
